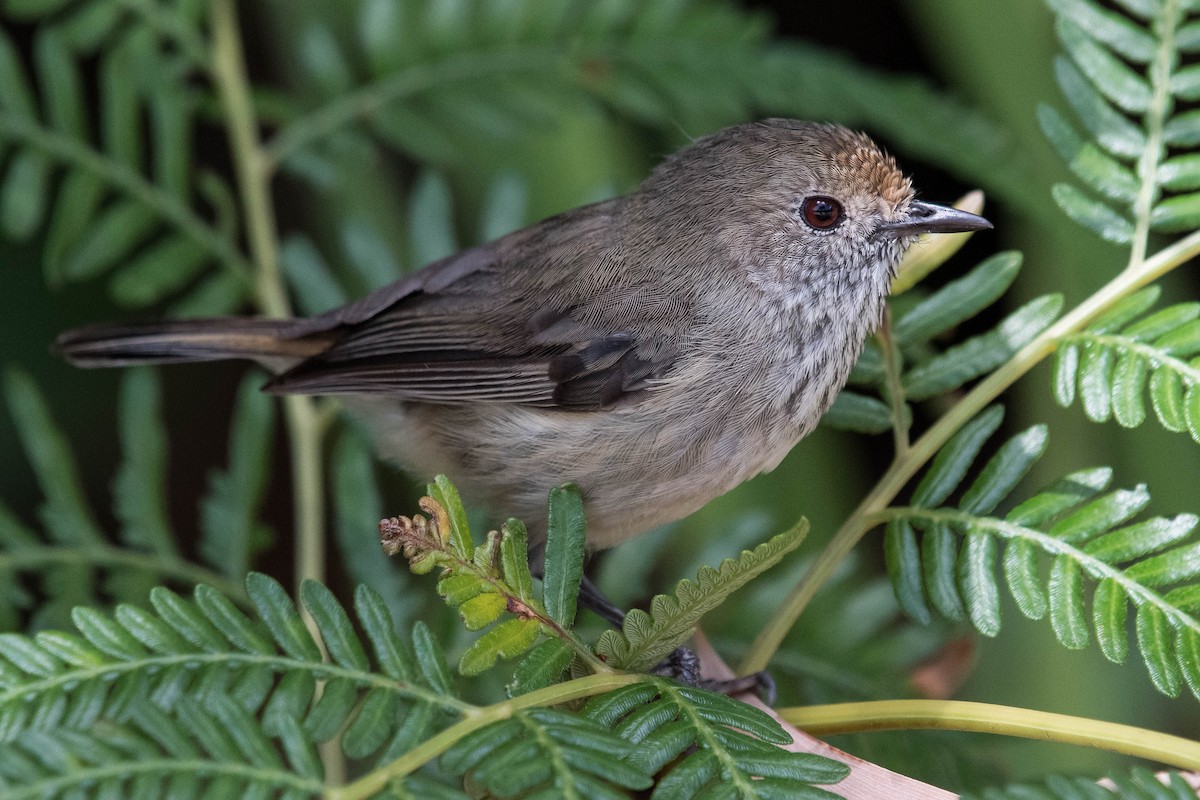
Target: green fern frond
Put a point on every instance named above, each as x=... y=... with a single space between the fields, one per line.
x=546 y=752
x=1140 y=783
x=484 y=582
x=378 y=692
x=215 y=749
x=1110 y=365
x=695 y=740
x=646 y=639
x=1124 y=78
x=947 y=558
x=124 y=199
x=924 y=370
x=434 y=81
x=71 y=553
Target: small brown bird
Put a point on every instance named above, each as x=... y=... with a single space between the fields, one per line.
x=657 y=349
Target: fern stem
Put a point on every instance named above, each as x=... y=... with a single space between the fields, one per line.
x=253 y=175
x=108 y=671
x=958 y=715
x=893 y=369
x=1154 y=120
x=254 y=170
x=903 y=469
x=431 y=748
x=108 y=557
x=79 y=155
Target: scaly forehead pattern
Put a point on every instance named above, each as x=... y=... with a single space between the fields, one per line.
x=857 y=159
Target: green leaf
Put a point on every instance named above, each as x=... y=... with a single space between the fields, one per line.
x=160 y=270
x=1166 y=397
x=514 y=558
x=1182 y=130
x=139 y=490
x=1162 y=322
x=1004 y=470
x=1112 y=130
x=1112 y=76
x=564 y=554
x=1095 y=382
x=1099 y=171
x=430 y=659
x=903 y=559
x=1187 y=648
x=310 y=275
x=860 y=413
x=1101 y=514
x=646 y=639
x=958 y=300
x=358 y=508
x=444 y=492
x=977 y=582
x=390 y=652
x=939 y=551
x=65 y=513
x=1155 y=640
x=1060 y=497
x=482 y=610
x=79 y=196
x=62 y=92
x=1021 y=575
x=1108 y=27
x=1092 y=214
x=280 y=616
x=1109 y=609
x=951 y=463
x=1180 y=172
x=1126 y=310
x=115 y=233
x=981 y=354
x=543 y=666
x=1067 y=616
x=371 y=726
x=1175 y=214
x=506 y=640
x=1066 y=365
x=24 y=195
x=1143 y=538
x=431 y=219
x=1129 y=381
x=1173 y=566
x=228 y=515
x=335 y=627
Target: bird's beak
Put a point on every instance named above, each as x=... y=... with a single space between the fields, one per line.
x=931 y=218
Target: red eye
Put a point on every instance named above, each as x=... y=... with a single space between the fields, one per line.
x=821 y=213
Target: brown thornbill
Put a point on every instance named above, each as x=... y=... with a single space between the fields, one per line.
x=656 y=349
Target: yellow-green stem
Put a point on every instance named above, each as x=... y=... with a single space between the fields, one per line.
x=906 y=465
x=431 y=748
x=957 y=715
x=254 y=172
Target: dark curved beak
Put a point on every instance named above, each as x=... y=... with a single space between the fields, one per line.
x=932 y=218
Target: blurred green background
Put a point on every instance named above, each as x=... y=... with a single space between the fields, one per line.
x=993 y=57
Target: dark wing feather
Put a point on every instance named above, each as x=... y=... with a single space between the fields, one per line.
x=467 y=330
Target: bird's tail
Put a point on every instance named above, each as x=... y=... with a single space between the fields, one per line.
x=175 y=341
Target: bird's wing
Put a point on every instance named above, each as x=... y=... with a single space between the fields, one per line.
x=497 y=324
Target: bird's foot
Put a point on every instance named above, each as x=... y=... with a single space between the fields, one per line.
x=684 y=666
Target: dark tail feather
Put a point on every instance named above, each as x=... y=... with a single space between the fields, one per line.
x=175 y=341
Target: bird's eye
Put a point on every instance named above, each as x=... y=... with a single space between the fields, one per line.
x=820 y=212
